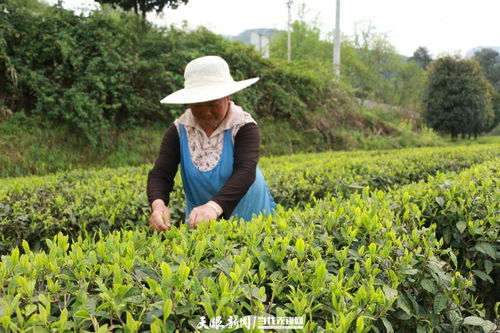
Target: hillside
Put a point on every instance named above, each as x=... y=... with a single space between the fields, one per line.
x=100 y=106
x=245 y=36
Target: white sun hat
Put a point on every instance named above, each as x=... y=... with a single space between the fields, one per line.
x=206 y=79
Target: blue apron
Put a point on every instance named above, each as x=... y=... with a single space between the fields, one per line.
x=201 y=186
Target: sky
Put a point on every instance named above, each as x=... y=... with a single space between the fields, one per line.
x=442 y=26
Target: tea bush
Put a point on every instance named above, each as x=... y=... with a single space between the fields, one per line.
x=355 y=264
x=473 y=235
x=34 y=208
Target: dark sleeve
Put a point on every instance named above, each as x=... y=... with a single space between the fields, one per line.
x=161 y=177
x=246 y=156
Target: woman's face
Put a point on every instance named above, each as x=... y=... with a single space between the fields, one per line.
x=211 y=110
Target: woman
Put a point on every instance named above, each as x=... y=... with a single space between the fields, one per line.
x=216 y=144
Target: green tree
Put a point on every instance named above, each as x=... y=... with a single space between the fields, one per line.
x=308 y=49
x=457 y=99
x=306 y=43
x=381 y=73
x=369 y=63
x=422 y=57
x=115 y=80
x=143 y=6
x=496 y=109
x=123 y=68
x=489 y=60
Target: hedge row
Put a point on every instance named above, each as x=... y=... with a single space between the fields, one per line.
x=371 y=262
x=474 y=235
x=125 y=66
x=35 y=208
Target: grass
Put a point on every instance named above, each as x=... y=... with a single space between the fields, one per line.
x=29 y=146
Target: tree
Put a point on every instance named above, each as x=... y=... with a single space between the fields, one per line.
x=370 y=64
x=457 y=99
x=306 y=41
x=496 y=109
x=421 y=57
x=143 y=6
x=489 y=60
x=380 y=72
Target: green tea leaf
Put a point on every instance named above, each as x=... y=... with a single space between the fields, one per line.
x=167 y=308
x=360 y=324
x=482 y=275
x=389 y=292
x=26 y=247
x=411 y=271
x=440 y=303
x=453 y=258
x=102 y=329
x=461 y=226
x=388 y=325
x=486 y=248
x=474 y=321
x=429 y=286
x=262 y=270
x=300 y=247
x=131 y=324
x=30 y=308
x=156 y=326
x=488 y=266
x=403 y=305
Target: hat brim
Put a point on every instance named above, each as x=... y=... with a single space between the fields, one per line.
x=207 y=93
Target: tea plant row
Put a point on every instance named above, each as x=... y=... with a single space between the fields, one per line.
x=373 y=261
x=35 y=208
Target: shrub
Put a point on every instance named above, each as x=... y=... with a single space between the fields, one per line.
x=124 y=67
x=458 y=97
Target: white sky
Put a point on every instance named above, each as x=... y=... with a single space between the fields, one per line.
x=439 y=25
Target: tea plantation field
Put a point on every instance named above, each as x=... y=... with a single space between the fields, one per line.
x=369 y=241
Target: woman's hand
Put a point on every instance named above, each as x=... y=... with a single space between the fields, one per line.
x=207 y=212
x=160 y=218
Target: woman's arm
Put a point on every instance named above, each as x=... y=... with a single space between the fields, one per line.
x=161 y=178
x=246 y=157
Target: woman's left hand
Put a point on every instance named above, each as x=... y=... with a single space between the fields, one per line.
x=201 y=213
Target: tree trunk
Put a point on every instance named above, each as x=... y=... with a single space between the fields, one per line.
x=143 y=8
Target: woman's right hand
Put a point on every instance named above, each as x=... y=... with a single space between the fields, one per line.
x=160 y=218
